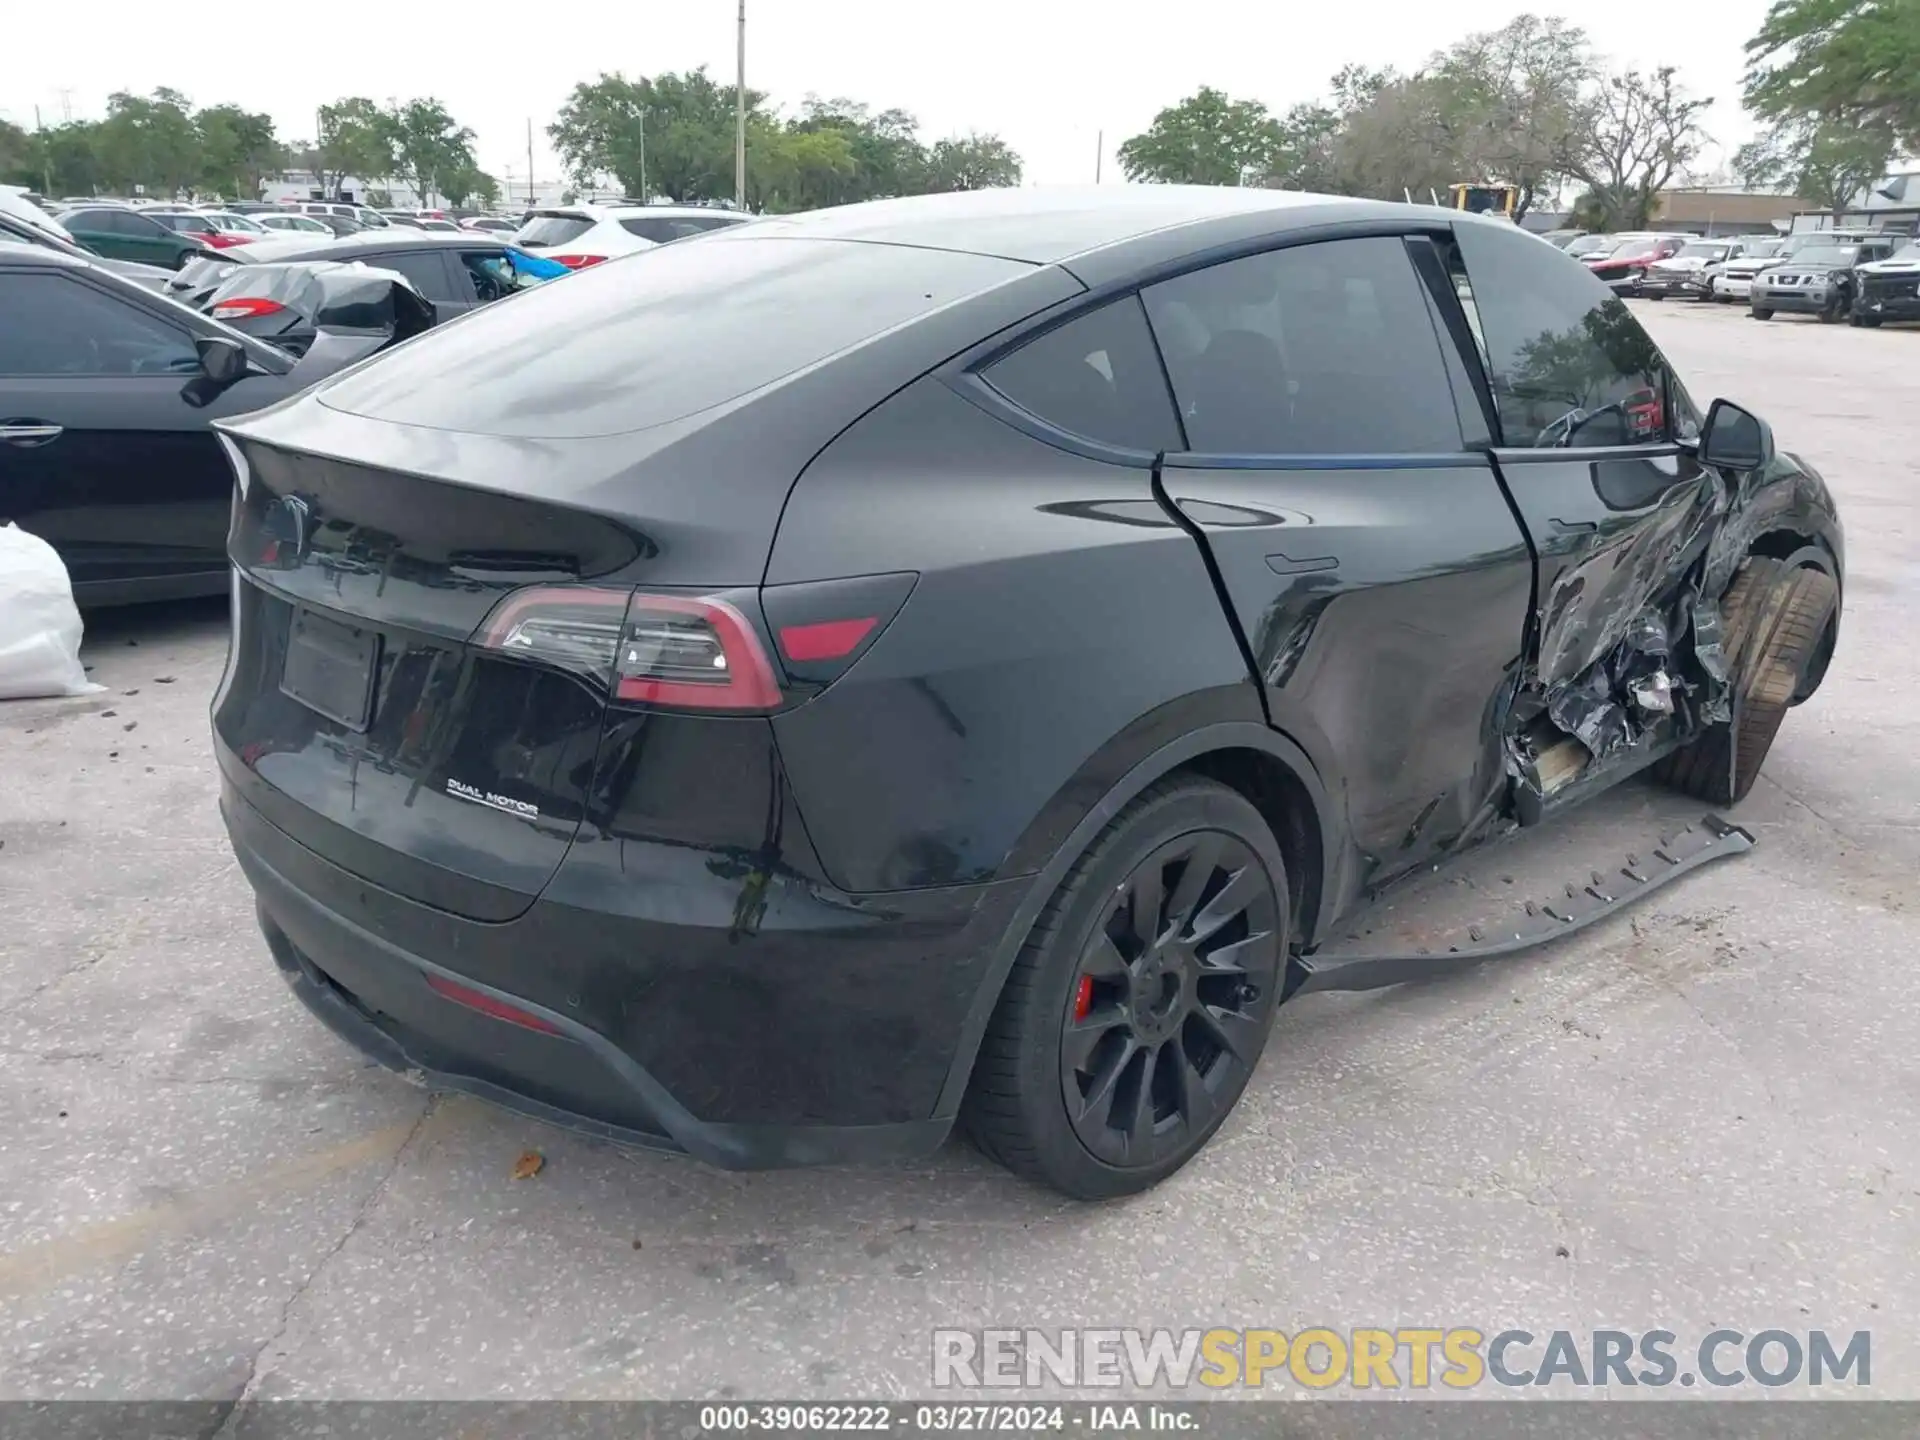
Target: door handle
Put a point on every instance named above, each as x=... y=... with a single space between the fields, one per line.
x=1574 y=527
x=27 y=434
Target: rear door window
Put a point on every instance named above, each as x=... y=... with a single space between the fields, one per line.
x=1324 y=349
x=1568 y=363
x=426 y=269
x=1097 y=377
x=554 y=227
x=625 y=346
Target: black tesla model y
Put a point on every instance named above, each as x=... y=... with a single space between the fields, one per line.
x=955 y=659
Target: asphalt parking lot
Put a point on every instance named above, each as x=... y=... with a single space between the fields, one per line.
x=1704 y=1114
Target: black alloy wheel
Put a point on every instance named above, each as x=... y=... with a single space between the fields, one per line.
x=1168 y=1010
x=1137 y=1009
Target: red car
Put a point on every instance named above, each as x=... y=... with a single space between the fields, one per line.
x=1625 y=265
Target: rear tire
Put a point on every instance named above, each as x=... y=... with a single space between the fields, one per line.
x=1112 y=1057
x=1773 y=620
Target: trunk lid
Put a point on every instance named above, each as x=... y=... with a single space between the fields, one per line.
x=355 y=714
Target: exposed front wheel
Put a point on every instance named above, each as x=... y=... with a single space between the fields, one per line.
x=1774 y=621
x=1761 y=312
x=1139 y=1005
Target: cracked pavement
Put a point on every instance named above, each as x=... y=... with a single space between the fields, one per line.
x=1700 y=1113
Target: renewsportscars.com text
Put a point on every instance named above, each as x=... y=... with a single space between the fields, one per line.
x=1405 y=1358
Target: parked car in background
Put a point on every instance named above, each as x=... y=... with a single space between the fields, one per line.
x=1583 y=247
x=492 y=223
x=202 y=227
x=107 y=391
x=404 y=218
x=455 y=272
x=14 y=231
x=233 y=223
x=290 y=304
x=253 y=207
x=582 y=235
x=434 y=225
x=1732 y=279
x=319 y=226
x=858 y=686
x=1688 y=271
x=1561 y=239
x=361 y=215
x=1888 y=289
x=121 y=233
x=1816 y=279
x=1623 y=268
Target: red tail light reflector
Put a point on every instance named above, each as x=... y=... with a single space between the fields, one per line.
x=221 y=240
x=487 y=1005
x=246 y=307
x=575 y=262
x=686 y=651
x=828 y=640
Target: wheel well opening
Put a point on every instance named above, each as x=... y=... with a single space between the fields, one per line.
x=1276 y=792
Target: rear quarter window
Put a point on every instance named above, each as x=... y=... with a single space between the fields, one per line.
x=659 y=336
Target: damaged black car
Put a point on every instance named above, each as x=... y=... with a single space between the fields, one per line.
x=965 y=659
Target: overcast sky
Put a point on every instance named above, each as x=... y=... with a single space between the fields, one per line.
x=1047 y=75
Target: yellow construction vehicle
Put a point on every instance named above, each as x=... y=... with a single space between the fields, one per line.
x=1485 y=199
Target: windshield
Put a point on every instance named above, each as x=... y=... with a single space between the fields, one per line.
x=1703 y=252
x=1589 y=245
x=188 y=224
x=1629 y=249
x=1827 y=255
x=1908 y=253
x=237 y=223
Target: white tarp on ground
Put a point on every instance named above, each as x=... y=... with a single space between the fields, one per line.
x=39 y=623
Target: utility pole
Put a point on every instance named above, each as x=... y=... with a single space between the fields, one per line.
x=645 y=194
x=1099 y=153
x=530 y=199
x=740 y=117
x=46 y=157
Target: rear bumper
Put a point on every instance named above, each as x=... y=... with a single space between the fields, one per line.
x=823 y=1036
x=1673 y=285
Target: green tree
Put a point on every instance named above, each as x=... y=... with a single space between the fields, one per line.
x=428 y=144
x=1207 y=139
x=789 y=169
x=149 y=143
x=1825 y=163
x=1636 y=132
x=238 y=150
x=467 y=184
x=356 y=139
x=971 y=162
x=669 y=134
x=888 y=158
x=1852 y=62
x=18 y=156
x=1510 y=103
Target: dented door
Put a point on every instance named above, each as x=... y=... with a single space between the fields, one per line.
x=1589 y=418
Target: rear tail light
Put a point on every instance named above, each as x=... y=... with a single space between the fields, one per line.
x=575 y=262
x=246 y=307
x=220 y=240
x=697 y=652
x=693 y=651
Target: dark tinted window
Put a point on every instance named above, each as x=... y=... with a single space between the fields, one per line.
x=553 y=228
x=636 y=343
x=426 y=269
x=59 y=326
x=108 y=222
x=662 y=228
x=1568 y=363
x=1317 y=350
x=1096 y=376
